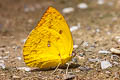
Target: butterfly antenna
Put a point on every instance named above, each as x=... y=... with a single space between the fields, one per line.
x=76 y=50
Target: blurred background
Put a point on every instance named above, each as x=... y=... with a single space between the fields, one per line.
x=96 y=23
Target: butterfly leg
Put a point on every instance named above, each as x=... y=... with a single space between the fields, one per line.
x=67 y=68
x=56 y=69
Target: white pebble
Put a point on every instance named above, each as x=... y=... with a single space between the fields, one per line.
x=2 y=65
x=85 y=44
x=78 y=24
x=75 y=46
x=108 y=33
x=0 y=57
x=100 y=2
x=16 y=77
x=68 y=10
x=6 y=57
x=116 y=51
x=7 y=52
x=117 y=37
x=28 y=9
x=118 y=40
x=116 y=63
x=30 y=20
x=107 y=72
x=105 y=64
x=73 y=28
x=19 y=58
x=104 y=52
x=82 y=5
x=1 y=61
x=94 y=60
x=97 y=30
x=24 y=68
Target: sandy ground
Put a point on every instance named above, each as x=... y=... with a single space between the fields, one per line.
x=99 y=31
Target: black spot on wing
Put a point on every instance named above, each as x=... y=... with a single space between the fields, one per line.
x=60 y=32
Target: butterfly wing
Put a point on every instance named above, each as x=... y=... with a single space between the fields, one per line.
x=50 y=43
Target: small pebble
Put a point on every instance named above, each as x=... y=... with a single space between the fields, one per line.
x=68 y=10
x=117 y=37
x=2 y=49
x=69 y=76
x=2 y=74
x=73 y=28
x=19 y=58
x=104 y=52
x=16 y=77
x=94 y=60
x=0 y=57
x=118 y=41
x=24 y=68
x=75 y=46
x=81 y=54
x=29 y=8
x=84 y=68
x=85 y=44
x=114 y=18
x=2 y=65
x=74 y=60
x=30 y=20
x=26 y=9
x=107 y=72
x=78 y=24
x=114 y=57
x=97 y=30
x=105 y=64
x=115 y=51
x=1 y=61
x=82 y=6
x=7 y=52
x=108 y=33
x=100 y=2
x=5 y=57
x=116 y=63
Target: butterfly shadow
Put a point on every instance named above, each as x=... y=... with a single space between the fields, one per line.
x=71 y=66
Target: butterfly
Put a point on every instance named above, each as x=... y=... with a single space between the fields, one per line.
x=50 y=43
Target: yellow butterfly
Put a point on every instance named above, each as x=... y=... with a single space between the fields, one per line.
x=50 y=42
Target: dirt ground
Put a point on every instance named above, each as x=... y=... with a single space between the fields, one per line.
x=99 y=31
